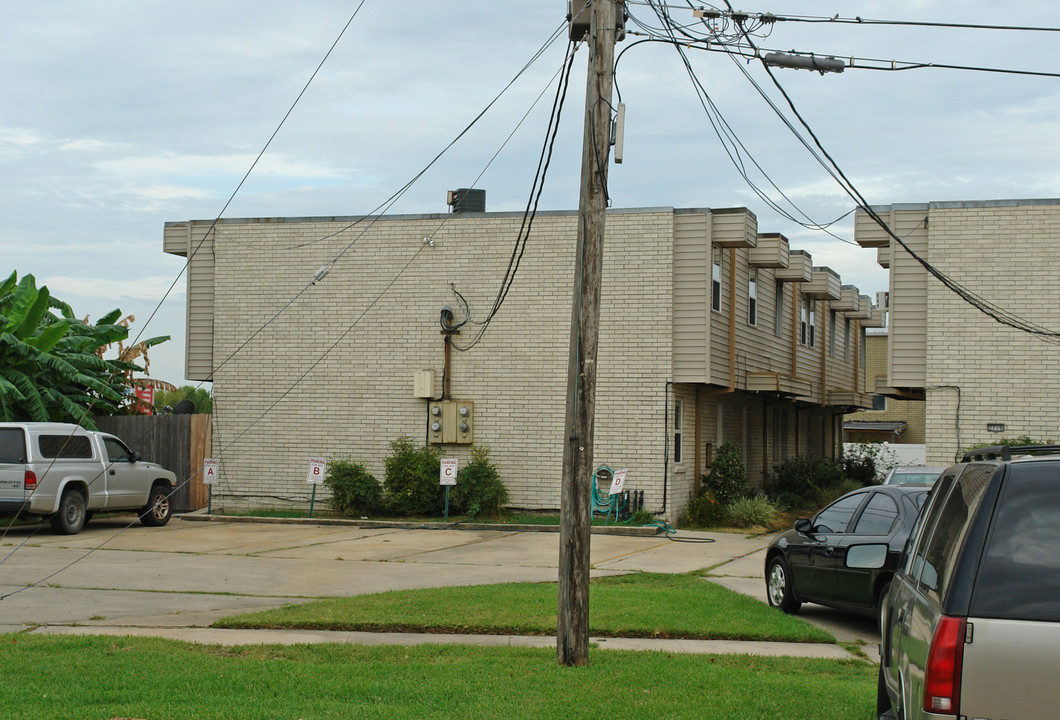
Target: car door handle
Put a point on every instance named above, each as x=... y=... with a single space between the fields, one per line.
x=829 y=551
x=901 y=616
x=111 y=472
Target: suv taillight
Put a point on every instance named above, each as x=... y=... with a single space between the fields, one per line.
x=30 y=482
x=942 y=681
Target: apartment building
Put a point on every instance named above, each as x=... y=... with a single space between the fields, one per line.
x=891 y=420
x=980 y=380
x=334 y=336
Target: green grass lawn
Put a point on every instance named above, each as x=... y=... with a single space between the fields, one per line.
x=44 y=678
x=635 y=605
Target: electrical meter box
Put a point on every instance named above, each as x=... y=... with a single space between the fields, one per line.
x=451 y=422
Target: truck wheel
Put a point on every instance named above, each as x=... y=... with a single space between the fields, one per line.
x=778 y=587
x=71 y=516
x=157 y=511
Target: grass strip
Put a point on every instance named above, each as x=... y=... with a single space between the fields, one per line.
x=106 y=677
x=639 y=605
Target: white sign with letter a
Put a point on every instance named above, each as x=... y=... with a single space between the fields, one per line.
x=209 y=470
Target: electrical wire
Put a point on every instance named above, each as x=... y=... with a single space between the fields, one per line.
x=989 y=309
x=537 y=187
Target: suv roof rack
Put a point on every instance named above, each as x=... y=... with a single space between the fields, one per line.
x=1005 y=452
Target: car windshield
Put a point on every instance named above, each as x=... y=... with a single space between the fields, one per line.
x=913 y=476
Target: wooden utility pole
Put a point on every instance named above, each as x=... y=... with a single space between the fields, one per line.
x=572 y=638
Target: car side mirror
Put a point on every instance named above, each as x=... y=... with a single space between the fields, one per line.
x=867 y=557
x=804 y=526
x=134 y=456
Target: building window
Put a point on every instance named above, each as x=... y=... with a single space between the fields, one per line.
x=804 y=321
x=715 y=281
x=879 y=402
x=679 y=407
x=813 y=321
x=752 y=297
x=778 y=309
x=832 y=324
x=846 y=339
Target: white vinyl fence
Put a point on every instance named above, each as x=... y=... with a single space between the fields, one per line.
x=890 y=455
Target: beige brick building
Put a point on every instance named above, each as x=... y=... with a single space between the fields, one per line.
x=710 y=333
x=980 y=380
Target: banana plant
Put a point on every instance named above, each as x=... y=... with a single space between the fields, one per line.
x=51 y=364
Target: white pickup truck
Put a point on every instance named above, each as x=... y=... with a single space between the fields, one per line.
x=66 y=474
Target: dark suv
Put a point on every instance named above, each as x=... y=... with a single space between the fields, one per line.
x=971 y=625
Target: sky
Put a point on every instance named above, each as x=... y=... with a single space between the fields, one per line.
x=117 y=116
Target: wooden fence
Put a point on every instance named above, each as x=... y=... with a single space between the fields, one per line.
x=176 y=442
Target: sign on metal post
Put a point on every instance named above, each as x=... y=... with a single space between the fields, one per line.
x=448 y=471
x=447 y=478
x=209 y=470
x=317 y=468
x=617 y=482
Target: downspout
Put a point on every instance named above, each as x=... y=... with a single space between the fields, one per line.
x=697 y=465
x=824 y=353
x=666 y=443
x=732 y=319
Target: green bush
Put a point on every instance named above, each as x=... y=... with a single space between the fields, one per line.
x=756 y=511
x=704 y=510
x=1011 y=442
x=354 y=490
x=728 y=476
x=411 y=482
x=862 y=464
x=479 y=490
x=802 y=481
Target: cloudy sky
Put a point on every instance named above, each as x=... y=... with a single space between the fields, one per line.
x=119 y=115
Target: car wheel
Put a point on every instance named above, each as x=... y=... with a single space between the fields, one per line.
x=158 y=509
x=71 y=516
x=778 y=587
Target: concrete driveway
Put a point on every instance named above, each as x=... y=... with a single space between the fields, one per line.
x=190 y=573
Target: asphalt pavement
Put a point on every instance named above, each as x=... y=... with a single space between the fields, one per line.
x=175 y=581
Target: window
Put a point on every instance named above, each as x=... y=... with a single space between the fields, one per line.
x=116 y=452
x=937 y=556
x=831 y=333
x=64 y=446
x=679 y=408
x=835 y=518
x=808 y=319
x=715 y=280
x=12 y=446
x=846 y=339
x=813 y=321
x=879 y=516
x=879 y=402
x=1020 y=572
x=778 y=309
x=752 y=297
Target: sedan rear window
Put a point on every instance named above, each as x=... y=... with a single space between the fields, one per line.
x=1019 y=576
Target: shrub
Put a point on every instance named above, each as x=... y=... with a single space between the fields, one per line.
x=862 y=464
x=1011 y=442
x=354 y=490
x=411 y=482
x=754 y=511
x=803 y=480
x=728 y=476
x=479 y=490
x=704 y=510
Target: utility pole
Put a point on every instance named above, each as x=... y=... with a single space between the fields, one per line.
x=572 y=638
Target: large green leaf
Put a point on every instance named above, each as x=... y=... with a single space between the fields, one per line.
x=109 y=318
x=28 y=328
x=32 y=404
x=49 y=337
x=24 y=298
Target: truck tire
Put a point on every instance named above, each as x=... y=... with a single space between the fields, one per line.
x=71 y=515
x=158 y=509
